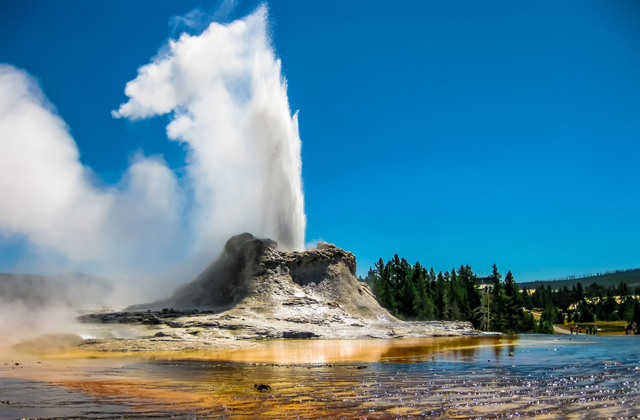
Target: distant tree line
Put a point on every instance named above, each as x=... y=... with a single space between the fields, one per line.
x=590 y=304
x=590 y=275
x=412 y=292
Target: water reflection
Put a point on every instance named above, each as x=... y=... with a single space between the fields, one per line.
x=451 y=348
x=481 y=377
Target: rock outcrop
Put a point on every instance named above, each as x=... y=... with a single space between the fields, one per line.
x=253 y=273
x=255 y=291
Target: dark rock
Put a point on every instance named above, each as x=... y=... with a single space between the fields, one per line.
x=299 y=335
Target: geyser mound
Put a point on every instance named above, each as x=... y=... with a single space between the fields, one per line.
x=253 y=272
x=254 y=291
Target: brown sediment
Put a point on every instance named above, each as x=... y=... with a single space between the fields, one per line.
x=144 y=390
x=340 y=399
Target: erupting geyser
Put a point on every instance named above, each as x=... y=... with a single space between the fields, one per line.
x=227 y=103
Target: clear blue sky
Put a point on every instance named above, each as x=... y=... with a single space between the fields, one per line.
x=450 y=132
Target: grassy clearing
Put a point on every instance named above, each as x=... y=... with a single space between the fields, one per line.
x=604 y=327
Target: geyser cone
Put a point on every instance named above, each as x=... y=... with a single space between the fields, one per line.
x=252 y=272
x=255 y=291
x=227 y=280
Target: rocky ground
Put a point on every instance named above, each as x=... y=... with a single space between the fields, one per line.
x=255 y=292
x=243 y=327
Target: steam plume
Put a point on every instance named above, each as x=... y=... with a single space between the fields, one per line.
x=227 y=100
x=229 y=103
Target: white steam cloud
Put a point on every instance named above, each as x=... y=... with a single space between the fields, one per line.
x=229 y=104
x=227 y=100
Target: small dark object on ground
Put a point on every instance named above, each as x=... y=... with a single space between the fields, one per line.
x=361 y=367
x=4 y=402
x=262 y=387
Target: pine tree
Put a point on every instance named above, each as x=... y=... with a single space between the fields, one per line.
x=610 y=307
x=380 y=268
x=625 y=309
x=579 y=292
x=548 y=320
x=526 y=299
x=439 y=295
x=408 y=297
x=375 y=282
x=420 y=303
x=429 y=309
x=636 y=312
x=390 y=302
x=586 y=315
x=458 y=297
x=385 y=288
x=563 y=298
x=469 y=283
x=446 y=306
x=483 y=312
x=513 y=305
x=432 y=282
x=623 y=290
x=498 y=300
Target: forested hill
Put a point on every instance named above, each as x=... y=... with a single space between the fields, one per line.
x=612 y=278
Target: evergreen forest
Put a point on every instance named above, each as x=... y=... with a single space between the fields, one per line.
x=494 y=303
x=587 y=304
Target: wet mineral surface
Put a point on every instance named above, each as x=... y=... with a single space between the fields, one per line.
x=448 y=377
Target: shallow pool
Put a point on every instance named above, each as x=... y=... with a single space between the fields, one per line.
x=479 y=377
